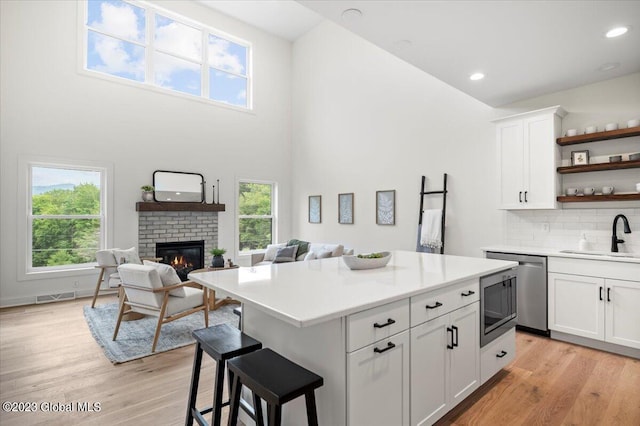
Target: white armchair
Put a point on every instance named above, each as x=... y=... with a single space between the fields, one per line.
x=145 y=294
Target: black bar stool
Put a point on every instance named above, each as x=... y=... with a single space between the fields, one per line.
x=275 y=379
x=220 y=342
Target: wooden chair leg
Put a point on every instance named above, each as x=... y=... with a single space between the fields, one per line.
x=95 y=294
x=257 y=409
x=312 y=411
x=234 y=402
x=160 y=321
x=120 y=314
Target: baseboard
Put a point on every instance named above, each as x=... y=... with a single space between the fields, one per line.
x=596 y=344
x=31 y=300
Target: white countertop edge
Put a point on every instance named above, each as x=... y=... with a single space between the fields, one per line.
x=550 y=252
x=300 y=323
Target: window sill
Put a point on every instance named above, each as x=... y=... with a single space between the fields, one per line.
x=60 y=273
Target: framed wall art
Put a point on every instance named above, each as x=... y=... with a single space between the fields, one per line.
x=315 y=208
x=345 y=208
x=386 y=207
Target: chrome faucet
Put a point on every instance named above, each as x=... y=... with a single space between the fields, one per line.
x=614 y=239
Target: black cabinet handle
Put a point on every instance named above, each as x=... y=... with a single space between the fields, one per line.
x=601 y=293
x=525 y=197
x=450 y=346
x=437 y=305
x=455 y=343
x=501 y=354
x=469 y=293
x=520 y=196
x=389 y=322
x=609 y=294
x=389 y=346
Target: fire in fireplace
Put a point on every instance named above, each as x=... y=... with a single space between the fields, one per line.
x=184 y=256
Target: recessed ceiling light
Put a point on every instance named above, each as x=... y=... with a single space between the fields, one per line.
x=616 y=32
x=352 y=15
x=476 y=76
x=609 y=66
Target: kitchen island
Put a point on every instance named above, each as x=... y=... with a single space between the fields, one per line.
x=357 y=328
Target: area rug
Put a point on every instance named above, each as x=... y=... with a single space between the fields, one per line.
x=135 y=337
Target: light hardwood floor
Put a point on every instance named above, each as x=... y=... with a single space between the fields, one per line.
x=47 y=354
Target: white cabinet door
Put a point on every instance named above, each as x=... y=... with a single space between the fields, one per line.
x=429 y=371
x=622 y=309
x=378 y=383
x=527 y=159
x=576 y=305
x=465 y=356
x=445 y=363
x=540 y=155
x=510 y=163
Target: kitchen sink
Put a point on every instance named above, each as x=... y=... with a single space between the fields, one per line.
x=600 y=253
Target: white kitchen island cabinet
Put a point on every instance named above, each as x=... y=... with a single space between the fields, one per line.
x=352 y=328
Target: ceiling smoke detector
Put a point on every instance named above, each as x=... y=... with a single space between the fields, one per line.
x=352 y=15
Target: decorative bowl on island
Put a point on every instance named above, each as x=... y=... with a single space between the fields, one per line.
x=367 y=261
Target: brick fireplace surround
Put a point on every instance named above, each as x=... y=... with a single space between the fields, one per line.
x=169 y=226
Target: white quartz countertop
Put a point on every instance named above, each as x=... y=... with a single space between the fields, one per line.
x=539 y=251
x=305 y=293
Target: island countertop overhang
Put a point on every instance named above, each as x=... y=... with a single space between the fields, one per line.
x=310 y=292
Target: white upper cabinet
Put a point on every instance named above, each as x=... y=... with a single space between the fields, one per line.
x=527 y=159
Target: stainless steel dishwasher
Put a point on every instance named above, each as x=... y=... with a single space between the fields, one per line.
x=531 y=290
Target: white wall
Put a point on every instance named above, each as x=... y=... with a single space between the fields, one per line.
x=364 y=120
x=616 y=100
x=49 y=109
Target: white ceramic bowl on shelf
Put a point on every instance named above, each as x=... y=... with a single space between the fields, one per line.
x=355 y=262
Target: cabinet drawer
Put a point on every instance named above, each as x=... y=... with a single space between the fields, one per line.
x=497 y=354
x=376 y=323
x=439 y=302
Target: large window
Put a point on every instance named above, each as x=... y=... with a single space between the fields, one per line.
x=255 y=215
x=66 y=216
x=145 y=44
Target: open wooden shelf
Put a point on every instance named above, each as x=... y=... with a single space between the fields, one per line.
x=599 y=167
x=598 y=136
x=153 y=206
x=588 y=198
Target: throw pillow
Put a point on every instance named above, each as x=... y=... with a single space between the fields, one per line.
x=168 y=276
x=323 y=255
x=272 y=250
x=286 y=254
x=310 y=256
x=303 y=246
x=127 y=256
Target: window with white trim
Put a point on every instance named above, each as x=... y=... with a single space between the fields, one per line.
x=256 y=215
x=66 y=216
x=141 y=43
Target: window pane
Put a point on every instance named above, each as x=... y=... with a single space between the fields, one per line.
x=178 y=38
x=116 y=57
x=117 y=18
x=254 y=199
x=228 y=88
x=177 y=74
x=64 y=241
x=227 y=56
x=57 y=191
x=255 y=234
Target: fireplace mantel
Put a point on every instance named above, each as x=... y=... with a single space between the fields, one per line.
x=178 y=207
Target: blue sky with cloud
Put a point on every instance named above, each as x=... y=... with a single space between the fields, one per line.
x=176 y=62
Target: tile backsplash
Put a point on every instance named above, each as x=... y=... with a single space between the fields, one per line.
x=563 y=229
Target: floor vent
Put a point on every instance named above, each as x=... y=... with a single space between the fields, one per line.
x=48 y=298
